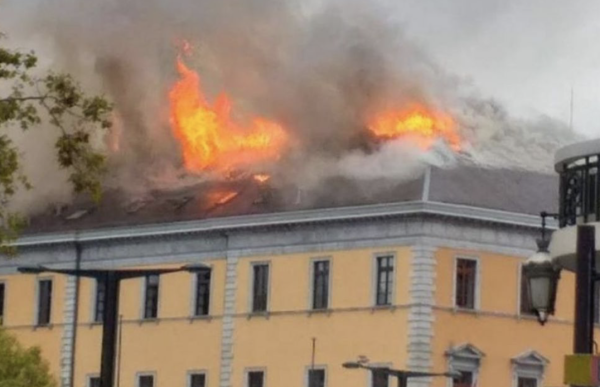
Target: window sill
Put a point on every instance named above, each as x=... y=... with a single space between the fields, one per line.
x=154 y=320
x=326 y=311
x=206 y=317
x=43 y=326
x=92 y=324
x=389 y=307
x=264 y=314
x=458 y=309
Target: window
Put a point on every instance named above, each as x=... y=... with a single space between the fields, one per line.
x=526 y=307
x=93 y=381
x=320 y=285
x=379 y=379
x=151 y=296
x=202 y=296
x=197 y=380
x=316 y=378
x=145 y=380
x=526 y=382
x=466 y=272
x=2 y=296
x=466 y=359
x=465 y=380
x=99 y=301
x=256 y=379
x=260 y=287
x=44 y=307
x=384 y=280
x=528 y=369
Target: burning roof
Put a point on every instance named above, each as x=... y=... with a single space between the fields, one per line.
x=507 y=190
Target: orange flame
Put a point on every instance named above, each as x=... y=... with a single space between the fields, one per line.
x=261 y=177
x=419 y=123
x=209 y=138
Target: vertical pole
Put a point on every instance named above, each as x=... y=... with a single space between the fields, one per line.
x=120 y=345
x=584 y=291
x=109 y=329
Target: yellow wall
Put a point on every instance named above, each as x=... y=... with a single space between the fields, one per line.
x=281 y=341
x=496 y=328
x=20 y=316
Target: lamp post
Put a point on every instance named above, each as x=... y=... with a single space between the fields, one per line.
x=543 y=273
x=400 y=374
x=111 y=280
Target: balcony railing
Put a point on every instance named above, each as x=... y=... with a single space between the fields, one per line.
x=579 y=191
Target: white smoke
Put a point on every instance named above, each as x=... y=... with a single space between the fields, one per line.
x=320 y=68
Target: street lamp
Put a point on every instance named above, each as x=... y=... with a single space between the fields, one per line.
x=400 y=374
x=542 y=276
x=111 y=280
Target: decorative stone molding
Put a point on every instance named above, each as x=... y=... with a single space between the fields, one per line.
x=421 y=318
x=228 y=323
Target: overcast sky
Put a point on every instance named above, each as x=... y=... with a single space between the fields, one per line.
x=527 y=54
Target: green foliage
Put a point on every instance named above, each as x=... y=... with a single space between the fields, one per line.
x=20 y=367
x=55 y=98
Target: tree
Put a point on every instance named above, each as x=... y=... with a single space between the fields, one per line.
x=20 y=367
x=26 y=100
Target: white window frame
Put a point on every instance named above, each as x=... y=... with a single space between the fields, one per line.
x=143 y=301
x=374 y=283
x=138 y=375
x=464 y=358
x=251 y=287
x=477 y=294
x=188 y=377
x=194 y=294
x=39 y=279
x=254 y=369
x=89 y=377
x=316 y=367
x=525 y=368
x=311 y=290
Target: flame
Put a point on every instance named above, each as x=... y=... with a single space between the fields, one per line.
x=210 y=139
x=421 y=124
x=261 y=177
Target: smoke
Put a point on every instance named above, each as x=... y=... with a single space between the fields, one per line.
x=319 y=68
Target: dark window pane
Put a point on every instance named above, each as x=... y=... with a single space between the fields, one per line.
x=320 y=284
x=151 y=301
x=385 y=271
x=202 y=293
x=197 y=380
x=465 y=283
x=379 y=379
x=2 y=296
x=146 y=381
x=526 y=307
x=316 y=378
x=527 y=382
x=100 y=301
x=465 y=380
x=260 y=288
x=44 y=302
x=94 y=382
x=255 y=379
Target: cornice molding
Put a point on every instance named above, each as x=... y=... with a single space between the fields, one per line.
x=286 y=219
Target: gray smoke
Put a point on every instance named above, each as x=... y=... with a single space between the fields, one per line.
x=319 y=68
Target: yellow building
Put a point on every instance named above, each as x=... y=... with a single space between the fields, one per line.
x=426 y=276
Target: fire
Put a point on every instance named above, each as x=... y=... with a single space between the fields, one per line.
x=419 y=123
x=261 y=177
x=210 y=139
